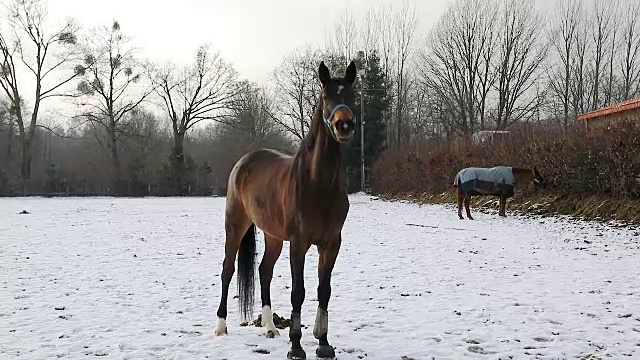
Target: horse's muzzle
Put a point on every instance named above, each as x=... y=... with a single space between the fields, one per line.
x=345 y=129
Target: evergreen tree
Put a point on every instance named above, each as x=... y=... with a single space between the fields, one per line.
x=376 y=103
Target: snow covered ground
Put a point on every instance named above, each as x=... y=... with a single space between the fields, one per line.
x=139 y=279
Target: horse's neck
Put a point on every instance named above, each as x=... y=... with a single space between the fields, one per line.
x=522 y=174
x=319 y=157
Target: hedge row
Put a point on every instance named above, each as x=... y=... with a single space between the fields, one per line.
x=573 y=161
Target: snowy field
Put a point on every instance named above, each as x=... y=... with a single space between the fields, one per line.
x=139 y=279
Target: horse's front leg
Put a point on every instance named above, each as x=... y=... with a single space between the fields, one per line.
x=298 y=251
x=467 y=200
x=328 y=255
x=503 y=203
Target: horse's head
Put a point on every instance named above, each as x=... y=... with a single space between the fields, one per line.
x=337 y=102
x=538 y=181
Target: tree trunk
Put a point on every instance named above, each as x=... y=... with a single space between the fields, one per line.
x=25 y=167
x=9 y=141
x=565 y=95
x=178 y=148
x=609 y=95
x=115 y=160
x=25 y=137
x=178 y=169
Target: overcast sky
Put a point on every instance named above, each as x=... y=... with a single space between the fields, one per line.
x=253 y=34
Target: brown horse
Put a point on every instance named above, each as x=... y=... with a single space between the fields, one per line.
x=300 y=199
x=498 y=181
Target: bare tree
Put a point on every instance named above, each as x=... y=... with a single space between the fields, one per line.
x=112 y=87
x=369 y=34
x=344 y=37
x=486 y=38
x=405 y=22
x=45 y=50
x=203 y=91
x=580 y=89
x=440 y=71
x=382 y=19
x=520 y=56
x=630 y=54
x=420 y=114
x=296 y=91
x=456 y=62
x=563 y=38
x=249 y=127
x=385 y=27
x=610 y=91
x=602 y=33
x=251 y=114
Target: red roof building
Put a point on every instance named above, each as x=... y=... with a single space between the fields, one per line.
x=629 y=109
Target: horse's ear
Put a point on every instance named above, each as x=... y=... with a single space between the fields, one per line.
x=323 y=73
x=351 y=73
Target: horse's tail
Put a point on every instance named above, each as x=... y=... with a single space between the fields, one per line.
x=246 y=272
x=456 y=181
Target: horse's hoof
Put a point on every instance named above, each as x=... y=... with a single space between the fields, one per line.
x=272 y=333
x=325 y=351
x=221 y=327
x=296 y=354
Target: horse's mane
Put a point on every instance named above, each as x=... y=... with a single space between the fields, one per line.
x=311 y=153
x=316 y=128
x=522 y=170
x=309 y=141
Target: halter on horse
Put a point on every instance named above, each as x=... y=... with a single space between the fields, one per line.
x=298 y=198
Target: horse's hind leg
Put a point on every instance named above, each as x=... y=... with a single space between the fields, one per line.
x=503 y=204
x=326 y=262
x=272 y=250
x=460 y=197
x=235 y=228
x=467 y=200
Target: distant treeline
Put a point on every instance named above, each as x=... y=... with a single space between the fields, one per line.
x=99 y=119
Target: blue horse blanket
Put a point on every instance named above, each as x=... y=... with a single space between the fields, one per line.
x=497 y=180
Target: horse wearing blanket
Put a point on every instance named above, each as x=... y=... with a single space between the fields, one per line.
x=497 y=181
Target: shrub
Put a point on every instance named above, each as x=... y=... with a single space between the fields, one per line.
x=571 y=161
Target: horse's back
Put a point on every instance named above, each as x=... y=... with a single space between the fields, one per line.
x=261 y=155
x=257 y=161
x=496 y=174
x=498 y=180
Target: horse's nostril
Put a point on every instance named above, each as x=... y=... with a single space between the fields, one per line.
x=345 y=125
